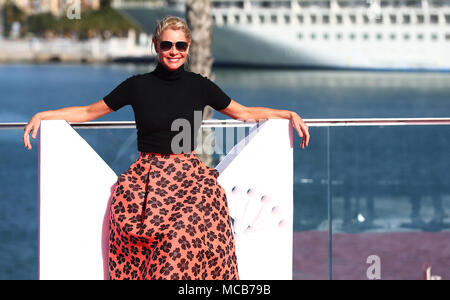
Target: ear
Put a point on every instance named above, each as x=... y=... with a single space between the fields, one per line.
x=156 y=45
x=189 y=46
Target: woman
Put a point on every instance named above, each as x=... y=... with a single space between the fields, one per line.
x=169 y=216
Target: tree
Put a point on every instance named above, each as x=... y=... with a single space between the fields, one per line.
x=199 y=20
x=105 y=3
x=12 y=13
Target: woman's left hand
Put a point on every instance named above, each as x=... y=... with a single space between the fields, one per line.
x=302 y=129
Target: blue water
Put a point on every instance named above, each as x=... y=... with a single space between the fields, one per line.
x=383 y=178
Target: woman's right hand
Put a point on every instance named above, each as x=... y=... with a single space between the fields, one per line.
x=32 y=126
x=70 y=114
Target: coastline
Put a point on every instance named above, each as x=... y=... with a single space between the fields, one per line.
x=94 y=50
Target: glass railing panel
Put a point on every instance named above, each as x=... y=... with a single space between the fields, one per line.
x=219 y=140
x=311 y=207
x=118 y=147
x=390 y=201
x=18 y=207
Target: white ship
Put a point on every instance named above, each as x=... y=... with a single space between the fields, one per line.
x=328 y=34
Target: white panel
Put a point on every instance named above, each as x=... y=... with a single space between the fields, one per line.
x=257 y=175
x=75 y=186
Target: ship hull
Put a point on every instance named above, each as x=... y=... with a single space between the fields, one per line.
x=280 y=47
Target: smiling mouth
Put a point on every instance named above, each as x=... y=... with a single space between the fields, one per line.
x=173 y=59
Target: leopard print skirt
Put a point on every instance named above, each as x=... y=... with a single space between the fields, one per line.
x=170 y=220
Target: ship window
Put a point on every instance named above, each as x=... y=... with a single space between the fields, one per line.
x=379 y=19
x=265 y=4
x=366 y=19
x=366 y=36
x=313 y=3
x=300 y=35
x=303 y=3
x=326 y=36
x=406 y=36
x=287 y=19
x=225 y=19
x=249 y=19
x=414 y=3
x=313 y=19
x=447 y=36
x=379 y=36
x=339 y=36
x=355 y=4
x=313 y=36
x=420 y=36
x=274 y=19
x=420 y=19
x=406 y=19
x=214 y=19
x=261 y=19
x=353 y=19
x=237 y=19
x=437 y=3
x=447 y=19
x=222 y=4
x=393 y=19
x=326 y=19
x=339 y=19
x=434 y=19
x=300 y=19
x=352 y=36
x=434 y=36
x=393 y=36
x=279 y=4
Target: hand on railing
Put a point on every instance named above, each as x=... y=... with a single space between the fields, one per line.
x=302 y=129
x=32 y=126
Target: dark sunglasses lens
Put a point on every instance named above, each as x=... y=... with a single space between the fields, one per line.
x=165 y=45
x=181 y=46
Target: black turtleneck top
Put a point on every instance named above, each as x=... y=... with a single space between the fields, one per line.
x=160 y=97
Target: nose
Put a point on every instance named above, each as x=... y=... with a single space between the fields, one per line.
x=173 y=50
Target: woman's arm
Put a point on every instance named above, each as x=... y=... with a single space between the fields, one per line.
x=70 y=114
x=243 y=113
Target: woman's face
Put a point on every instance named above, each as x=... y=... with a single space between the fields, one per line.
x=173 y=58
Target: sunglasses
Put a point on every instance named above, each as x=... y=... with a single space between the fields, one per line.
x=167 y=45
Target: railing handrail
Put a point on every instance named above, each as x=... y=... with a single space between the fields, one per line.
x=238 y=123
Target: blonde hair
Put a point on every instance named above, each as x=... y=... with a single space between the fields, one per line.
x=174 y=23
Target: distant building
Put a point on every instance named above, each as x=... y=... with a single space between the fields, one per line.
x=55 y=7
